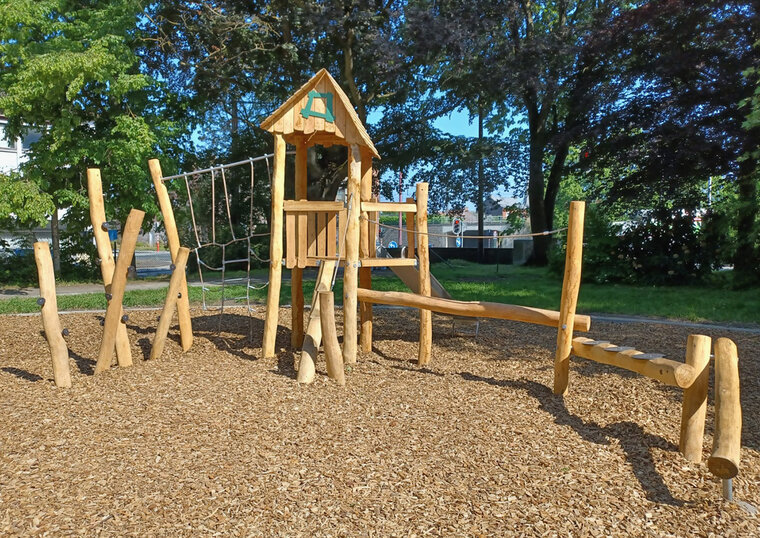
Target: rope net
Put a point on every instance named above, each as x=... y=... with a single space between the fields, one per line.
x=227 y=226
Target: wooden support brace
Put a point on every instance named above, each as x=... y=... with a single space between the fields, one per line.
x=313 y=338
x=333 y=353
x=695 y=398
x=727 y=440
x=571 y=285
x=172 y=295
x=51 y=323
x=170 y=225
x=103 y=243
x=275 y=249
x=118 y=285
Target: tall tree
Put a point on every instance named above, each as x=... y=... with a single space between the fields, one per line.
x=69 y=72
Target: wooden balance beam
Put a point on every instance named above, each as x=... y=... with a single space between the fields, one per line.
x=724 y=461
x=475 y=309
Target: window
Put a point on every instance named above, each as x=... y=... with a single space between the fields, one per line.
x=4 y=143
x=30 y=138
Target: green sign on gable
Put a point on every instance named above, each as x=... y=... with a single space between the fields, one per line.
x=327 y=114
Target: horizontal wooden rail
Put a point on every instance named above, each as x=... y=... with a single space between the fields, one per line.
x=389 y=207
x=727 y=441
x=312 y=206
x=388 y=262
x=668 y=371
x=472 y=309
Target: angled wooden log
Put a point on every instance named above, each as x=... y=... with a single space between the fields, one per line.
x=172 y=296
x=695 y=398
x=105 y=254
x=313 y=338
x=571 y=285
x=333 y=353
x=170 y=225
x=727 y=441
x=51 y=324
x=114 y=314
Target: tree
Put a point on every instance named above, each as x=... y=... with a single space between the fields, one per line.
x=69 y=71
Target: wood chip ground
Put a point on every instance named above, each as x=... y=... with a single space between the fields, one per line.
x=218 y=441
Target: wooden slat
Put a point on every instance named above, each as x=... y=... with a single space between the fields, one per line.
x=410 y=227
x=287 y=122
x=321 y=234
x=332 y=234
x=311 y=232
x=319 y=105
x=389 y=207
x=290 y=238
x=308 y=205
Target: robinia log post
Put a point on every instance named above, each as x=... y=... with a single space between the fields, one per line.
x=333 y=355
x=114 y=314
x=366 y=247
x=275 y=248
x=571 y=285
x=296 y=273
x=313 y=337
x=105 y=254
x=51 y=324
x=170 y=225
x=173 y=294
x=351 y=268
x=423 y=255
x=727 y=440
x=695 y=398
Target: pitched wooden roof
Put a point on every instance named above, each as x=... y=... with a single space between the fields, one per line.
x=321 y=111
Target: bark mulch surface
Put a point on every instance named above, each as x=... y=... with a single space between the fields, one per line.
x=220 y=441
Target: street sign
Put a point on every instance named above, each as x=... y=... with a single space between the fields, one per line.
x=459 y=241
x=113 y=235
x=392 y=244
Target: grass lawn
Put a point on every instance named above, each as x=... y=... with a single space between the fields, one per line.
x=505 y=284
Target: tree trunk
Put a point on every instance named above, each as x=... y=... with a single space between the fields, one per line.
x=481 y=189
x=538 y=220
x=746 y=257
x=55 y=237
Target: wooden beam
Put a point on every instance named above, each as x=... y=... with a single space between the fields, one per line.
x=313 y=338
x=410 y=235
x=333 y=354
x=727 y=440
x=170 y=225
x=425 y=352
x=473 y=309
x=275 y=249
x=105 y=254
x=388 y=262
x=571 y=285
x=670 y=372
x=309 y=206
x=695 y=398
x=351 y=268
x=51 y=323
x=389 y=207
x=114 y=314
x=172 y=295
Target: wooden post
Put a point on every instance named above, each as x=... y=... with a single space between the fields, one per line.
x=170 y=225
x=172 y=295
x=423 y=255
x=275 y=248
x=727 y=440
x=313 y=337
x=296 y=273
x=351 y=268
x=366 y=248
x=51 y=324
x=103 y=243
x=571 y=285
x=695 y=398
x=410 y=239
x=119 y=283
x=333 y=355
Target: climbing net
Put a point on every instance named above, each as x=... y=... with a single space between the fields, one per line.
x=226 y=223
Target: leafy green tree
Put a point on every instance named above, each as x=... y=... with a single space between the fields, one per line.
x=70 y=72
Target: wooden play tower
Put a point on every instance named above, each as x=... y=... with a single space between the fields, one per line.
x=331 y=233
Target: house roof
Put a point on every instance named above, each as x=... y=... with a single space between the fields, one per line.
x=321 y=113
